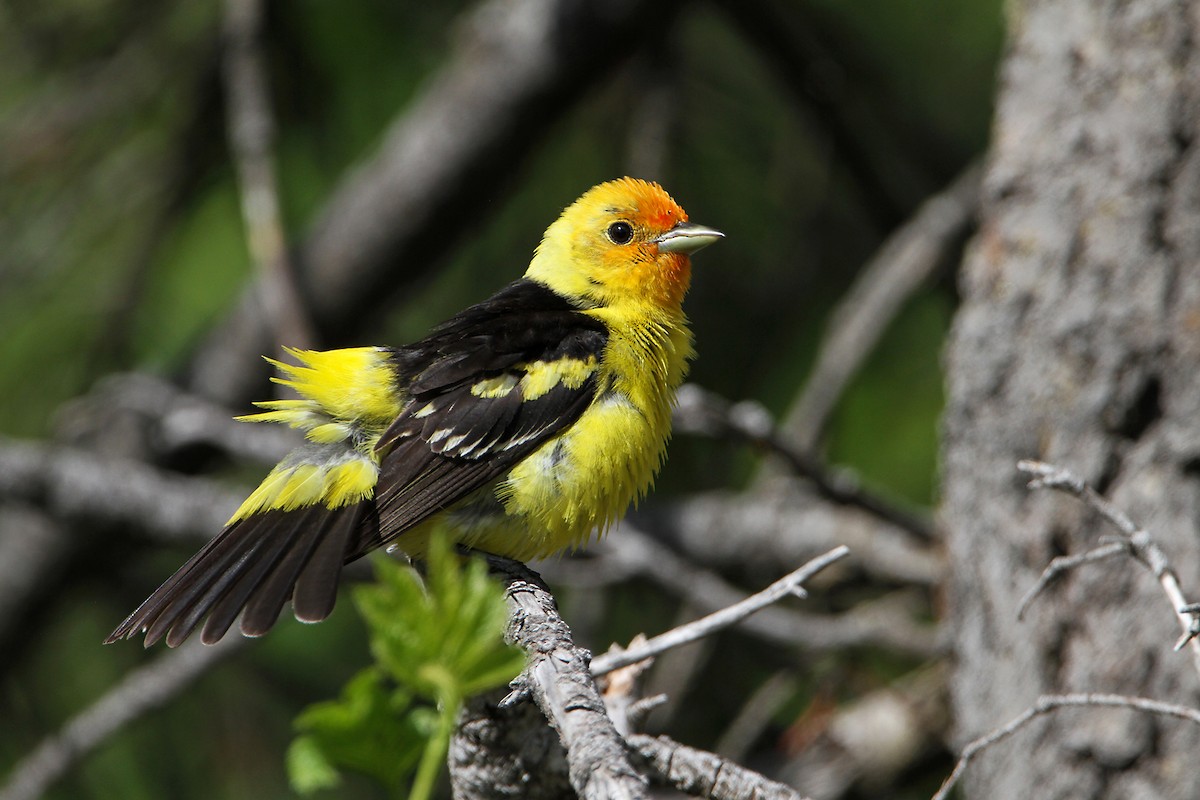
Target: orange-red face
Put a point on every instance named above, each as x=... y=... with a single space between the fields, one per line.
x=630 y=215
x=622 y=241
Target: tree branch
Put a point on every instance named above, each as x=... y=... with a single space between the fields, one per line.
x=157 y=421
x=1049 y=703
x=702 y=774
x=887 y=622
x=501 y=751
x=904 y=262
x=74 y=484
x=251 y=133
x=558 y=679
x=70 y=485
x=1063 y=564
x=700 y=411
x=1136 y=541
x=790 y=584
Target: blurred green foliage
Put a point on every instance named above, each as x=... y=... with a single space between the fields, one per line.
x=122 y=244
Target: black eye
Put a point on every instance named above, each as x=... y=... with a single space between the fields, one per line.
x=620 y=233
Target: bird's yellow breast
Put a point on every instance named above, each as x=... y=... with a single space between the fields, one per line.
x=585 y=478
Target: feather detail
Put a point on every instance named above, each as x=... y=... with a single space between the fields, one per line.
x=254 y=564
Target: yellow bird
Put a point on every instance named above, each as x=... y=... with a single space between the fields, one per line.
x=520 y=426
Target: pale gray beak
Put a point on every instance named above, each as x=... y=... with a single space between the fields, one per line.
x=687 y=238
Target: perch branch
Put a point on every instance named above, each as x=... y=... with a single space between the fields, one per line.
x=558 y=679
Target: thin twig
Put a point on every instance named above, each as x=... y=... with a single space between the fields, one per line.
x=1048 y=703
x=1137 y=541
x=700 y=411
x=251 y=132
x=885 y=623
x=789 y=585
x=140 y=692
x=1066 y=563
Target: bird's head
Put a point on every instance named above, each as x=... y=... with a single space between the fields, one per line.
x=624 y=241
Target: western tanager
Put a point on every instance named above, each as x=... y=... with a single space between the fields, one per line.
x=520 y=425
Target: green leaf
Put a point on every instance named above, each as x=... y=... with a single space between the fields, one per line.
x=439 y=642
x=445 y=643
x=370 y=729
x=308 y=767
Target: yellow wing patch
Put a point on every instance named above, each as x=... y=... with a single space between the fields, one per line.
x=491 y=388
x=539 y=378
x=294 y=485
x=338 y=388
x=542 y=376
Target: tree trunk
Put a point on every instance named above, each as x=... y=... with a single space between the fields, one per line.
x=1078 y=342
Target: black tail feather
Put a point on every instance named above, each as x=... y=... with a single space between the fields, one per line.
x=317 y=584
x=265 y=561
x=255 y=564
x=201 y=571
x=267 y=601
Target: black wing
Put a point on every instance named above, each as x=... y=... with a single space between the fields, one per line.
x=485 y=390
x=459 y=430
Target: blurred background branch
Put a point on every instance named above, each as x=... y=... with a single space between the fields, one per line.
x=367 y=169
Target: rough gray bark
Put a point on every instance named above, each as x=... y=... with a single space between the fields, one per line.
x=557 y=679
x=506 y=751
x=1078 y=342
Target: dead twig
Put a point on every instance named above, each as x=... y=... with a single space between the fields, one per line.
x=1064 y=564
x=789 y=585
x=1049 y=703
x=887 y=622
x=1133 y=540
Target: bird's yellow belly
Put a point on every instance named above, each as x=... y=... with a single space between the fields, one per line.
x=576 y=483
